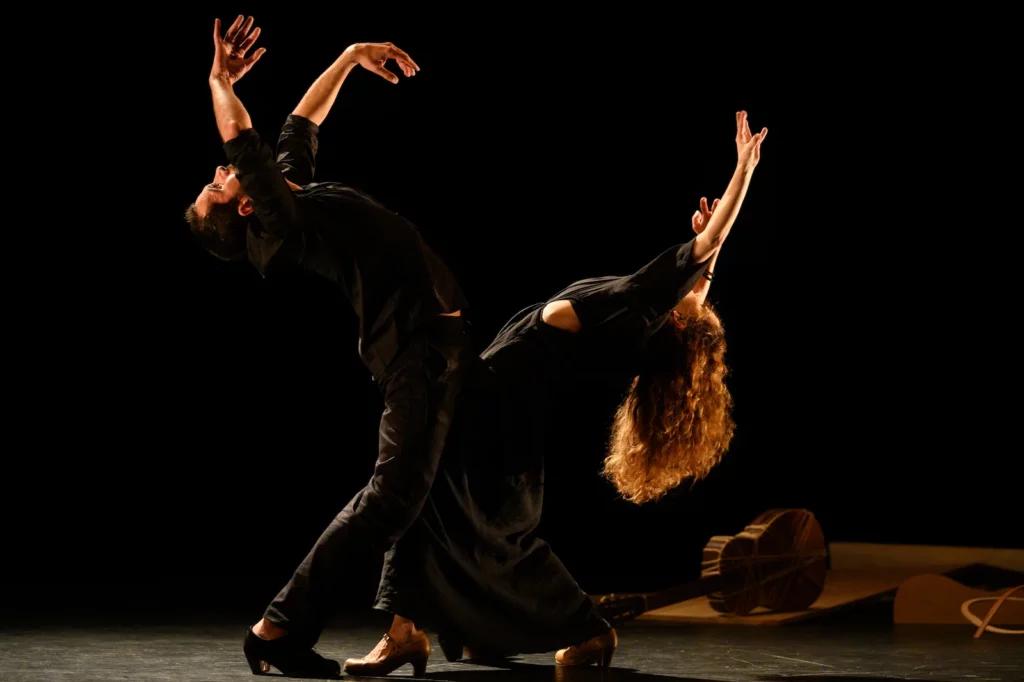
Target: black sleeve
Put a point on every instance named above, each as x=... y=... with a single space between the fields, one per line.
x=640 y=299
x=296 y=149
x=272 y=199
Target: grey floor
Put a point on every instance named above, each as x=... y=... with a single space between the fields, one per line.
x=646 y=654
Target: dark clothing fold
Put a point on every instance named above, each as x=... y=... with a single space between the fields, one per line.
x=400 y=292
x=392 y=279
x=472 y=567
x=420 y=388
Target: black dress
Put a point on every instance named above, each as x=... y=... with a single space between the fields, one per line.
x=472 y=568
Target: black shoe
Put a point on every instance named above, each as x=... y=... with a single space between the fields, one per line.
x=452 y=649
x=289 y=656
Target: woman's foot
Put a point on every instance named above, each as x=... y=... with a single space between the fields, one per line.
x=595 y=650
x=390 y=654
x=271 y=646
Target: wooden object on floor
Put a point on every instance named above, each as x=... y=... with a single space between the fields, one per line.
x=842 y=588
x=777 y=562
x=859 y=573
x=781 y=556
x=920 y=558
x=937 y=599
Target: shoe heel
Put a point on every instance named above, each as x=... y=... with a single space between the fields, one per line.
x=605 y=657
x=419 y=667
x=255 y=664
x=251 y=655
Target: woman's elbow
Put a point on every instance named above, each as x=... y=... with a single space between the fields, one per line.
x=560 y=314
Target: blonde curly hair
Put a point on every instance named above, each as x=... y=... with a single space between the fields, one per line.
x=675 y=423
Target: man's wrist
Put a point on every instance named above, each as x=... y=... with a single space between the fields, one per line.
x=348 y=56
x=220 y=80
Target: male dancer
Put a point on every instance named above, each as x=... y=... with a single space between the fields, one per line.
x=408 y=304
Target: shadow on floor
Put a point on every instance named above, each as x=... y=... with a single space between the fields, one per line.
x=833 y=678
x=526 y=672
x=530 y=672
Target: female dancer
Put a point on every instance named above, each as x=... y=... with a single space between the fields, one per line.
x=471 y=567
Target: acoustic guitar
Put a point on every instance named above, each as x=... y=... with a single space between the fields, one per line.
x=778 y=562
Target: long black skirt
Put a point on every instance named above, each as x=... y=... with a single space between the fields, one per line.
x=471 y=567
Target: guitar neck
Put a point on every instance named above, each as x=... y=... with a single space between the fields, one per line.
x=691 y=590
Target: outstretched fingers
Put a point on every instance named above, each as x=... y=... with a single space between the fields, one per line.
x=248 y=42
x=400 y=55
x=743 y=127
x=380 y=70
x=255 y=56
x=758 y=139
x=241 y=33
x=233 y=29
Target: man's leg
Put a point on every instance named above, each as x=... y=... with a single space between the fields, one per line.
x=418 y=403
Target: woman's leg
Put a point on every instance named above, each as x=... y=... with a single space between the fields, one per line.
x=403 y=629
x=402 y=644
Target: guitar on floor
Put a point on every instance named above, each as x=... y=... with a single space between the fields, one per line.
x=778 y=562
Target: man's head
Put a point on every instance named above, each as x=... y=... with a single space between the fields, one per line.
x=219 y=215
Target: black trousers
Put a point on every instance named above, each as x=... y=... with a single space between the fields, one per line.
x=420 y=388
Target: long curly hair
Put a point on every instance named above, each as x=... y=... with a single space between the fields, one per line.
x=675 y=422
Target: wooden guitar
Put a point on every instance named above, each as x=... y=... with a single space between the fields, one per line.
x=778 y=562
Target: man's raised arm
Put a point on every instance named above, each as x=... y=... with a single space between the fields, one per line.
x=318 y=100
x=229 y=65
x=272 y=199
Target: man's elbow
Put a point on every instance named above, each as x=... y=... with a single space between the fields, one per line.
x=239 y=125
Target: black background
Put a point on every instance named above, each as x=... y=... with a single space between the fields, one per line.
x=182 y=422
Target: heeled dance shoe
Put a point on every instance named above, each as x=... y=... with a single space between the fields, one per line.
x=389 y=655
x=452 y=648
x=598 y=650
x=288 y=655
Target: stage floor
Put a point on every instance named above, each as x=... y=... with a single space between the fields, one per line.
x=647 y=653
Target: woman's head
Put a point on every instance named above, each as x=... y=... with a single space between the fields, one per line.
x=675 y=423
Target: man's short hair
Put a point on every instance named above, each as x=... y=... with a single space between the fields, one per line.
x=222 y=231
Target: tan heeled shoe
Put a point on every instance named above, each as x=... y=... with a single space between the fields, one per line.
x=388 y=656
x=598 y=650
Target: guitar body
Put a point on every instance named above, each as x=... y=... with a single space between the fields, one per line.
x=733 y=554
x=778 y=562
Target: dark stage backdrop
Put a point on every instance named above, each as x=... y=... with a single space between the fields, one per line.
x=185 y=422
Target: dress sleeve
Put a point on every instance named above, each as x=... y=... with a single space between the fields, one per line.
x=640 y=300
